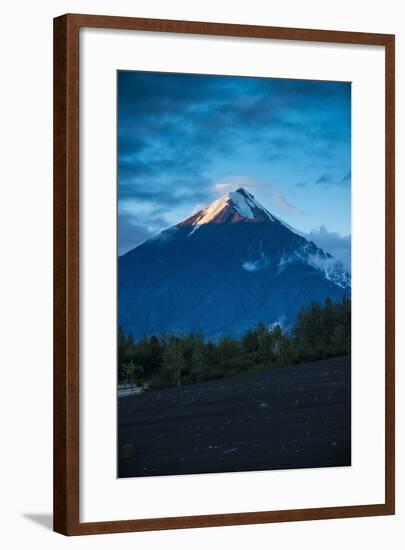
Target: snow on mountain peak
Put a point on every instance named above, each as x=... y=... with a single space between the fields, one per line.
x=233 y=206
x=246 y=204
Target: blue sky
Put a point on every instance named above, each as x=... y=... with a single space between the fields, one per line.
x=184 y=140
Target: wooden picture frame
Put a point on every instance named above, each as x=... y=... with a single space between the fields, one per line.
x=67 y=284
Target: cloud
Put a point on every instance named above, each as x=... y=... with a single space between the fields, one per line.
x=327 y=179
x=135 y=228
x=240 y=181
x=251 y=266
x=324 y=179
x=337 y=245
x=284 y=205
x=278 y=198
x=223 y=187
x=176 y=126
x=275 y=157
x=181 y=191
x=178 y=134
x=130 y=235
x=347 y=178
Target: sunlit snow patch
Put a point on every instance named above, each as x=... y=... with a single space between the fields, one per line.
x=240 y=200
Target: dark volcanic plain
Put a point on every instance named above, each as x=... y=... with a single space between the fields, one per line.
x=290 y=417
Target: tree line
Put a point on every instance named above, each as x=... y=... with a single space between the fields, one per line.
x=321 y=331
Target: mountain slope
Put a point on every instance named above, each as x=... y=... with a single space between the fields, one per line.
x=222 y=271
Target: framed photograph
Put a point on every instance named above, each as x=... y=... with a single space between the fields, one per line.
x=223 y=274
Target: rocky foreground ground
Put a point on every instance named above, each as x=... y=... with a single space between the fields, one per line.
x=290 y=417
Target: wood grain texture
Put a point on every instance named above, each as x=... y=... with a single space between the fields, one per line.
x=66 y=273
x=66 y=276
x=390 y=274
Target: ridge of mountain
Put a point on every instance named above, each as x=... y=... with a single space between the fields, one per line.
x=223 y=270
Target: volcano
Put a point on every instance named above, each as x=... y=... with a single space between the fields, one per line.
x=222 y=271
